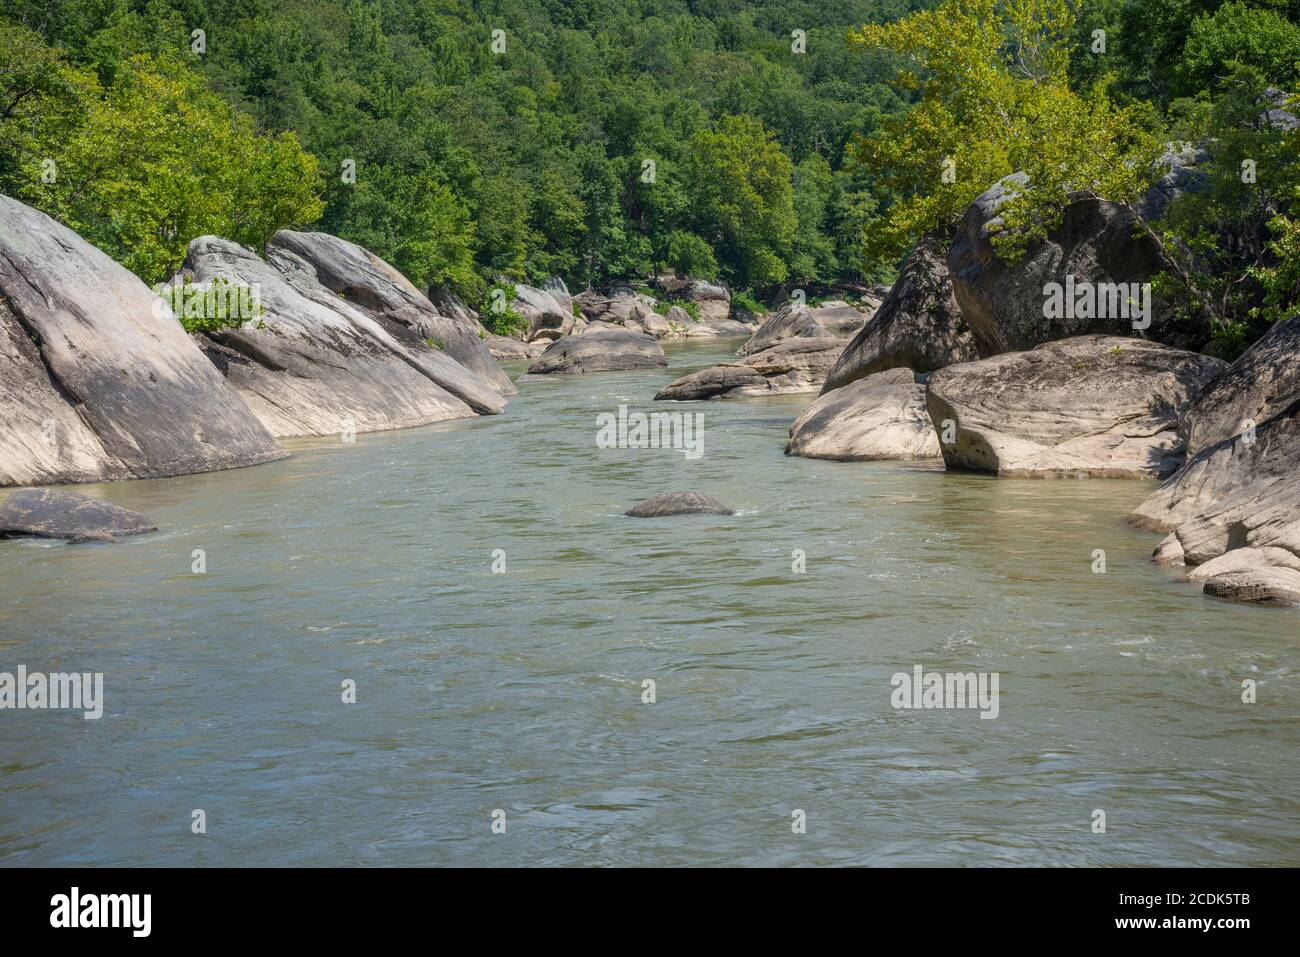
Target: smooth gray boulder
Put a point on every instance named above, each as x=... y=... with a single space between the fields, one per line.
x=503 y=347
x=312 y=366
x=918 y=326
x=713 y=299
x=48 y=513
x=1099 y=406
x=1264 y=380
x=678 y=503
x=792 y=366
x=790 y=321
x=1096 y=242
x=835 y=319
x=98 y=380
x=379 y=290
x=880 y=417
x=613 y=350
x=547 y=319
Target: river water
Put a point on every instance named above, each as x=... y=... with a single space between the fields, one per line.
x=521 y=691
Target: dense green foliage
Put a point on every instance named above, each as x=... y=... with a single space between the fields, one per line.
x=1085 y=97
x=596 y=139
x=770 y=143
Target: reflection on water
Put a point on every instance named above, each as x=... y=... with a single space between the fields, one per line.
x=522 y=691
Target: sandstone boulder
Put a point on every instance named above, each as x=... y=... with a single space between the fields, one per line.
x=795 y=365
x=613 y=350
x=47 y=513
x=1096 y=243
x=371 y=284
x=918 y=326
x=98 y=380
x=880 y=417
x=312 y=366
x=1100 y=406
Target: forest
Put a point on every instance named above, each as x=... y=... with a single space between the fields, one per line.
x=770 y=144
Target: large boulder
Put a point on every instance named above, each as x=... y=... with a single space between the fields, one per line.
x=374 y=286
x=1233 y=514
x=795 y=365
x=98 y=380
x=1264 y=380
x=546 y=318
x=47 y=513
x=1101 y=406
x=313 y=365
x=713 y=299
x=791 y=321
x=918 y=326
x=678 y=503
x=1008 y=306
x=880 y=417
x=614 y=350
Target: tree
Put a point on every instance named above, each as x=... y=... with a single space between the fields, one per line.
x=742 y=199
x=994 y=98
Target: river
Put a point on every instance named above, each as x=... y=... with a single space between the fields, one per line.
x=521 y=691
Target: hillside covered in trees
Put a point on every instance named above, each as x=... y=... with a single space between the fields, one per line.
x=769 y=144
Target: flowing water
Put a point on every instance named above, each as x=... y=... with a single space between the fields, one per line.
x=522 y=691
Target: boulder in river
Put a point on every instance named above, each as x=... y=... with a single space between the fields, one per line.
x=880 y=417
x=918 y=326
x=678 y=503
x=1100 y=406
x=613 y=350
x=795 y=365
x=48 y=513
x=1096 y=247
x=1263 y=381
x=98 y=380
x=316 y=366
x=372 y=285
x=791 y=321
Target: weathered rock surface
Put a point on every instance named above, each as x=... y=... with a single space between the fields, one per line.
x=918 y=326
x=880 y=417
x=1264 y=380
x=713 y=300
x=1100 y=406
x=1242 y=494
x=678 y=503
x=312 y=368
x=1261 y=586
x=503 y=347
x=98 y=380
x=795 y=365
x=611 y=350
x=371 y=284
x=46 y=513
x=1095 y=243
x=795 y=321
x=547 y=319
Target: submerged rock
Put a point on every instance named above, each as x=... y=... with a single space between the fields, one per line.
x=880 y=417
x=315 y=366
x=795 y=365
x=1100 y=406
x=98 y=380
x=47 y=513
x=918 y=326
x=613 y=350
x=678 y=503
